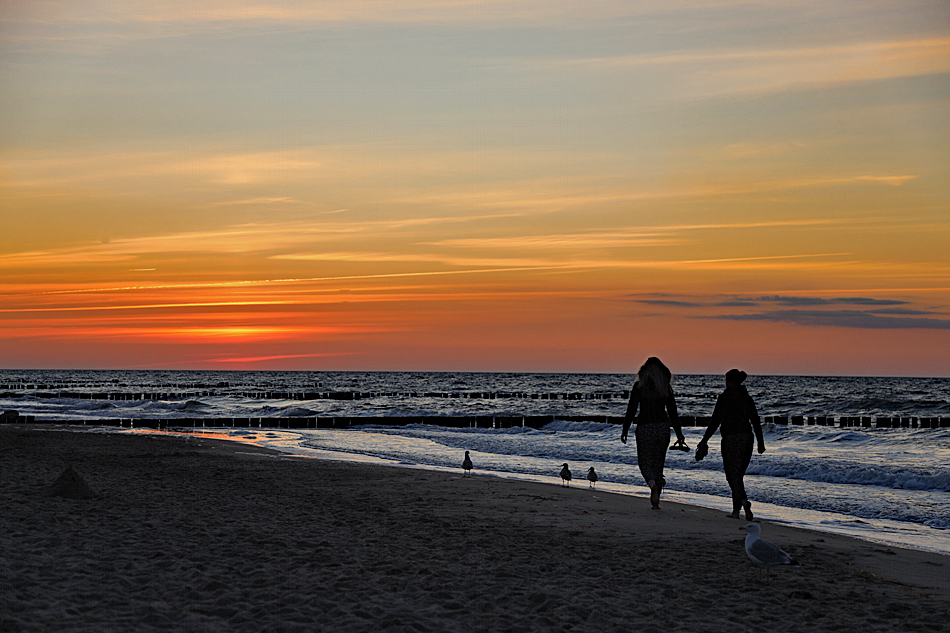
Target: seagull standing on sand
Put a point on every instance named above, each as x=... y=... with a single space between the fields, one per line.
x=762 y=551
x=591 y=476
x=467 y=464
x=566 y=475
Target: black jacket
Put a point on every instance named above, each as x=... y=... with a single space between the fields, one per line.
x=653 y=408
x=735 y=413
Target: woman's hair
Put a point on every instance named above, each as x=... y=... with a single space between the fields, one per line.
x=654 y=375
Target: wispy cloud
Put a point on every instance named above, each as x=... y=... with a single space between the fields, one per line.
x=284 y=241
x=169 y=16
x=821 y=301
x=782 y=300
x=537 y=197
x=223 y=332
x=262 y=359
x=842 y=318
x=882 y=313
x=710 y=72
x=904 y=312
x=583 y=239
x=263 y=238
x=496 y=263
x=255 y=201
x=631 y=236
x=43 y=170
x=182 y=305
x=670 y=303
x=84 y=288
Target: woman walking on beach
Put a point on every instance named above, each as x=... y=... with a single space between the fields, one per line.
x=652 y=393
x=737 y=419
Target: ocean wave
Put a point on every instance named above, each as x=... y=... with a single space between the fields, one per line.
x=837 y=472
x=291 y=412
x=567 y=426
x=93 y=405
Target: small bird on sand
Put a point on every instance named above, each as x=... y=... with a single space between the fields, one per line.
x=762 y=551
x=467 y=464
x=591 y=476
x=566 y=475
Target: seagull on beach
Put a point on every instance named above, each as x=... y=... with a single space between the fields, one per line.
x=591 y=476
x=566 y=475
x=467 y=464
x=762 y=551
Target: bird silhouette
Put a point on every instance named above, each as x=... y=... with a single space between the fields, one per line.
x=566 y=475
x=762 y=551
x=591 y=476
x=467 y=464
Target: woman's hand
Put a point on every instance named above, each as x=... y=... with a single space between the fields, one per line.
x=701 y=450
x=623 y=437
x=761 y=447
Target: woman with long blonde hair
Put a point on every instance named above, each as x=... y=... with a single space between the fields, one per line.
x=652 y=394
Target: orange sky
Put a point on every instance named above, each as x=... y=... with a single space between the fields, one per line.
x=476 y=186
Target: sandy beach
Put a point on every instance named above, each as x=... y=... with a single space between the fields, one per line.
x=194 y=534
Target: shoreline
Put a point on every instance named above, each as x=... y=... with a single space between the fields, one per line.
x=880 y=532
x=215 y=534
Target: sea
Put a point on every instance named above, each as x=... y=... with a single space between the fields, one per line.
x=889 y=486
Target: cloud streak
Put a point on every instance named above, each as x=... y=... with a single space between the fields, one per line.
x=169 y=17
x=710 y=73
x=820 y=301
x=884 y=313
x=842 y=318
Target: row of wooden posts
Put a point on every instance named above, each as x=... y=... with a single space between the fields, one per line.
x=474 y=421
x=315 y=395
x=67 y=385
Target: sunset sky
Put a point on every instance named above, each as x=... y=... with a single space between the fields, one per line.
x=484 y=185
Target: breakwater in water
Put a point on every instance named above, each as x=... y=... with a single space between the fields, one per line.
x=477 y=421
x=221 y=399
x=14 y=390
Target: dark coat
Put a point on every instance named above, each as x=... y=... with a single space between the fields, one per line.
x=735 y=413
x=653 y=408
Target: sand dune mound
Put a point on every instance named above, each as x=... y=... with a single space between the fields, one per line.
x=70 y=485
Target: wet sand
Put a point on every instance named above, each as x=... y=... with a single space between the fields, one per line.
x=212 y=535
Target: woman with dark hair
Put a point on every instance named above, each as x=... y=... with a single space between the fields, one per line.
x=652 y=393
x=736 y=418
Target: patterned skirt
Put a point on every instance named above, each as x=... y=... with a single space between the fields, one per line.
x=653 y=441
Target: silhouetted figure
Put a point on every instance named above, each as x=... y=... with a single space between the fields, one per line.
x=737 y=420
x=652 y=394
x=467 y=465
x=591 y=476
x=565 y=475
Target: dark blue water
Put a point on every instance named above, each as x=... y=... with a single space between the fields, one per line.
x=599 y=394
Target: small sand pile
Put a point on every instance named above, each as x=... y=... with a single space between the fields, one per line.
x=70 y=485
